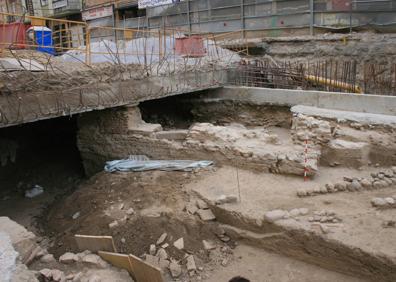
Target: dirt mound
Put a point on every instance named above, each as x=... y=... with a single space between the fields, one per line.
x=157 y=199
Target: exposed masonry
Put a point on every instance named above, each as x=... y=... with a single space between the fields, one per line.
x=117 y=134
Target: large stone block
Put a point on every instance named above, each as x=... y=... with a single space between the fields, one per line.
x=345 y=153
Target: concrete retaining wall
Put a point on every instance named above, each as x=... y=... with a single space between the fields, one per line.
x=330 y=100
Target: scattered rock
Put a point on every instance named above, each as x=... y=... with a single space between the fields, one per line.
x=123 y=240
x=34 y=192
x=113 y=224
x=390 y=201
x=47 y=273
x=378 y=202
x=47 y=258
x=76 y=215
x=348 y=179
x=330 y=187
x=323 y=190
x=179 y=243
x=70 y=276
x=58 y=275
x=206 y=215
x=152 y=250
x=341 y=186
x=68 y=258
x=302 y=193
x=202 y=204
x=162 y=238
x=208 y=245
x=224 y=238
x=356 y=186
x=130 y=211
x=162 y=254
x=191 y=208
x=175 y=269
x=191 y=263
x=366 y=183
x=163 y=263
x=164 y=246
x=274 y=215
x=152 y=260
x=304 y=211
x=95 y=260
x=294 y=212
x=77 y=277
x=224 y=262
x=223 y=199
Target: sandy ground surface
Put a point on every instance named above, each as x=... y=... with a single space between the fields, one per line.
x=361 y=223
x=260 y=266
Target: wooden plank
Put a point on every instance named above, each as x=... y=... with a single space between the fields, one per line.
x=95 y=243
x=117 y=260
x=144 y=272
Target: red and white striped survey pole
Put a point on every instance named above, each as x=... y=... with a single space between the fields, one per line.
x=306 y=159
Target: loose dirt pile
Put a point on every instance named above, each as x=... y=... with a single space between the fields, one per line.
x=136 y=209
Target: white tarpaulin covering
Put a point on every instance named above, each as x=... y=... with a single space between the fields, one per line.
x=146 y=51
x=134 y=164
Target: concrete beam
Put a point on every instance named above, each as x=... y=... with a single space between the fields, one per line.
x=35 y=106
x=375 y=104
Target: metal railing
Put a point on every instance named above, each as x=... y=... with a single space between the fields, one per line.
x=271 y=18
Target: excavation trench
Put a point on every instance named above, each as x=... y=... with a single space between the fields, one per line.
x=259 y=157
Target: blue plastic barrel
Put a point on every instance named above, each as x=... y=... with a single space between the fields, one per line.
x=43 y=38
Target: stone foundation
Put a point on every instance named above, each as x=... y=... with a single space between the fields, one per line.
x=117 y=134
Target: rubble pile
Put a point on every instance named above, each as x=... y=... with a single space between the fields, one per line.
x=190 y=264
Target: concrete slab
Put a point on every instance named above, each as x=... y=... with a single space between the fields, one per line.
x=362 y=118
x=376 y=104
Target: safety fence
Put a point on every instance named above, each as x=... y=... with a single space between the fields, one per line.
x=95 y=44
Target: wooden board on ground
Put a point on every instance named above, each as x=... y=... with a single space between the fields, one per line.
x=95 y=243
x=117 y=260
x=144 y=272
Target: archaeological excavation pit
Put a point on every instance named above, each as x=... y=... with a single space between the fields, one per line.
x=252 y=204
x=285 y=177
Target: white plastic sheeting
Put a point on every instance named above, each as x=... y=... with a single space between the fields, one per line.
x=146 y=51
x=133 y=164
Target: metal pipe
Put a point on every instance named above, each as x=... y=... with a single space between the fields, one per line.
x=334 y=83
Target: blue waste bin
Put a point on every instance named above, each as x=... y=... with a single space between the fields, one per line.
x=42 y=37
